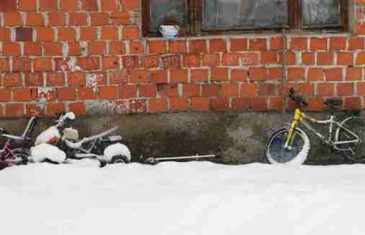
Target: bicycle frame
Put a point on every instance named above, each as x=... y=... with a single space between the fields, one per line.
x=301 y=118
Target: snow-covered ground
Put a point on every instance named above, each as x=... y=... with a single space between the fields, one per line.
x=182 y=198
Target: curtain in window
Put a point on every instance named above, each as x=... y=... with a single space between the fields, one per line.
x=162 y=11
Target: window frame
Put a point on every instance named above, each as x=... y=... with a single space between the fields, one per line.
x=195 y=14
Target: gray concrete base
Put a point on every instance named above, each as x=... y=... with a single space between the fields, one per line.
x=241 y=137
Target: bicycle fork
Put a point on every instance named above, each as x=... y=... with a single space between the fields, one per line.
x=298 y=117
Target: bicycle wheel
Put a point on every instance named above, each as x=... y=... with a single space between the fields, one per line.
x=21 y=156
x=276 y=153
x=353 y=151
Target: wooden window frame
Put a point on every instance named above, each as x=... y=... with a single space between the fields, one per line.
x=194 y=19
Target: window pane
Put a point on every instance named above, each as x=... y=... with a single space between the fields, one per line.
x=321 y=12
x=230 y=14
x=167 y=10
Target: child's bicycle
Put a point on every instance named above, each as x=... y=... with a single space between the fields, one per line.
x=290 y=145
x=16 y=148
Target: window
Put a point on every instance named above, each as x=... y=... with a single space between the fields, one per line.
x=212 y=16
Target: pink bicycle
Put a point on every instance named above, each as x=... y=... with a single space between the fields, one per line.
x=16 y=149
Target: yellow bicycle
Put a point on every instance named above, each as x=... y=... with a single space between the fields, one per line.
x=291 y=144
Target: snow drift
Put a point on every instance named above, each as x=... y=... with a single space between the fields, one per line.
x=188 y=198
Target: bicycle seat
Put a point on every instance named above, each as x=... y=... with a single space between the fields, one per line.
x=333 y=102
x=14 y=137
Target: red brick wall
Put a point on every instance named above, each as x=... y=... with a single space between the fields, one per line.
x=83 y=55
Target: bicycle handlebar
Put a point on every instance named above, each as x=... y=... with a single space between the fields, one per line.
x=299 y=100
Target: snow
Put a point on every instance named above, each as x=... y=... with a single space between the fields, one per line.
x=117 y=149
x=182 y=198
x=42 y=152
x=46 y=136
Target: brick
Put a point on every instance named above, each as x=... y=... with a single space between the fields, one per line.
x=99 y=18
x=211 y=59
x=219 y=74
x=109 y=33
x=333 y=74
x=269 y=57
x=318 y=44
x=275 y=103
x=127 y=91
x=131 y=32
x=69 y=5
x=276 y=43
x=249 y=58
x=217 y=45
x=238 y=44
x=136 y=47
x=290 y=58
x=66 y=34
x=78 y=108
x=48 y=5
x=86 y=93
x=345 y=89
x=157 y=46
x=88 y=34
x=130 y=5
x=191 y=90
x=219 y=104
x=76 y=79
x=138 y=106
x=54 y=108
x=356 y=43
x=138 y=76
x=337 y=43
x=325 y=89
x=27 y=5
x=171 y=61
x=120 y=18
x=11 y=49
x=197 y=45
x=42 y=64
x=12 y=19
x=168 y=90
x=267 y=90
x=258 y=74
x=90 y=5
x=210 y=90
x=89 y=63
x=77 y=19
x=66 y=93
x=32 y=48
x=56 y=19
x=131 y=62
x=34 y=79
x=23 y=34
x=152 y=61
x=352 y=103
x=308 y=58
x=108 y=92
x=21 y=94
x=258 y=44
x=55 y=79
x=5 y=94
x=4 y=65
x=199 y=75
x=177 y=46
x=45 y=34
x=52 y=49
x=248 y=90
x=325 y=58
x=34 y=19
x=360 y=88
x=240 y=104
x=97 y=48
x=74 y=48
x=315 y=74
x=158 y=76
x=200 y=104
x=118 y=77
x=14 y=110
x=116 y=48
x=230 y=90
x=354 y=74
x=110 y=62
x=296 y=74
x=306 y=89
x=178 y=75
x=259 y=104
x=239 y=75
x=4 y=34
x=179 y=104
x=191 y=60
x=345 y=58
x=109 y=5
x=299 y=43
x=230 y=59
x=157 y=105
x=21 y=64
x=315 y=104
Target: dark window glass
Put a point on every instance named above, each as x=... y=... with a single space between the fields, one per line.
x=166 y=11
x=231 y=14
x=319 y=13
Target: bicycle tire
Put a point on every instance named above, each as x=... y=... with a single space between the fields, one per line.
x=277 y=154
x=352 y=151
